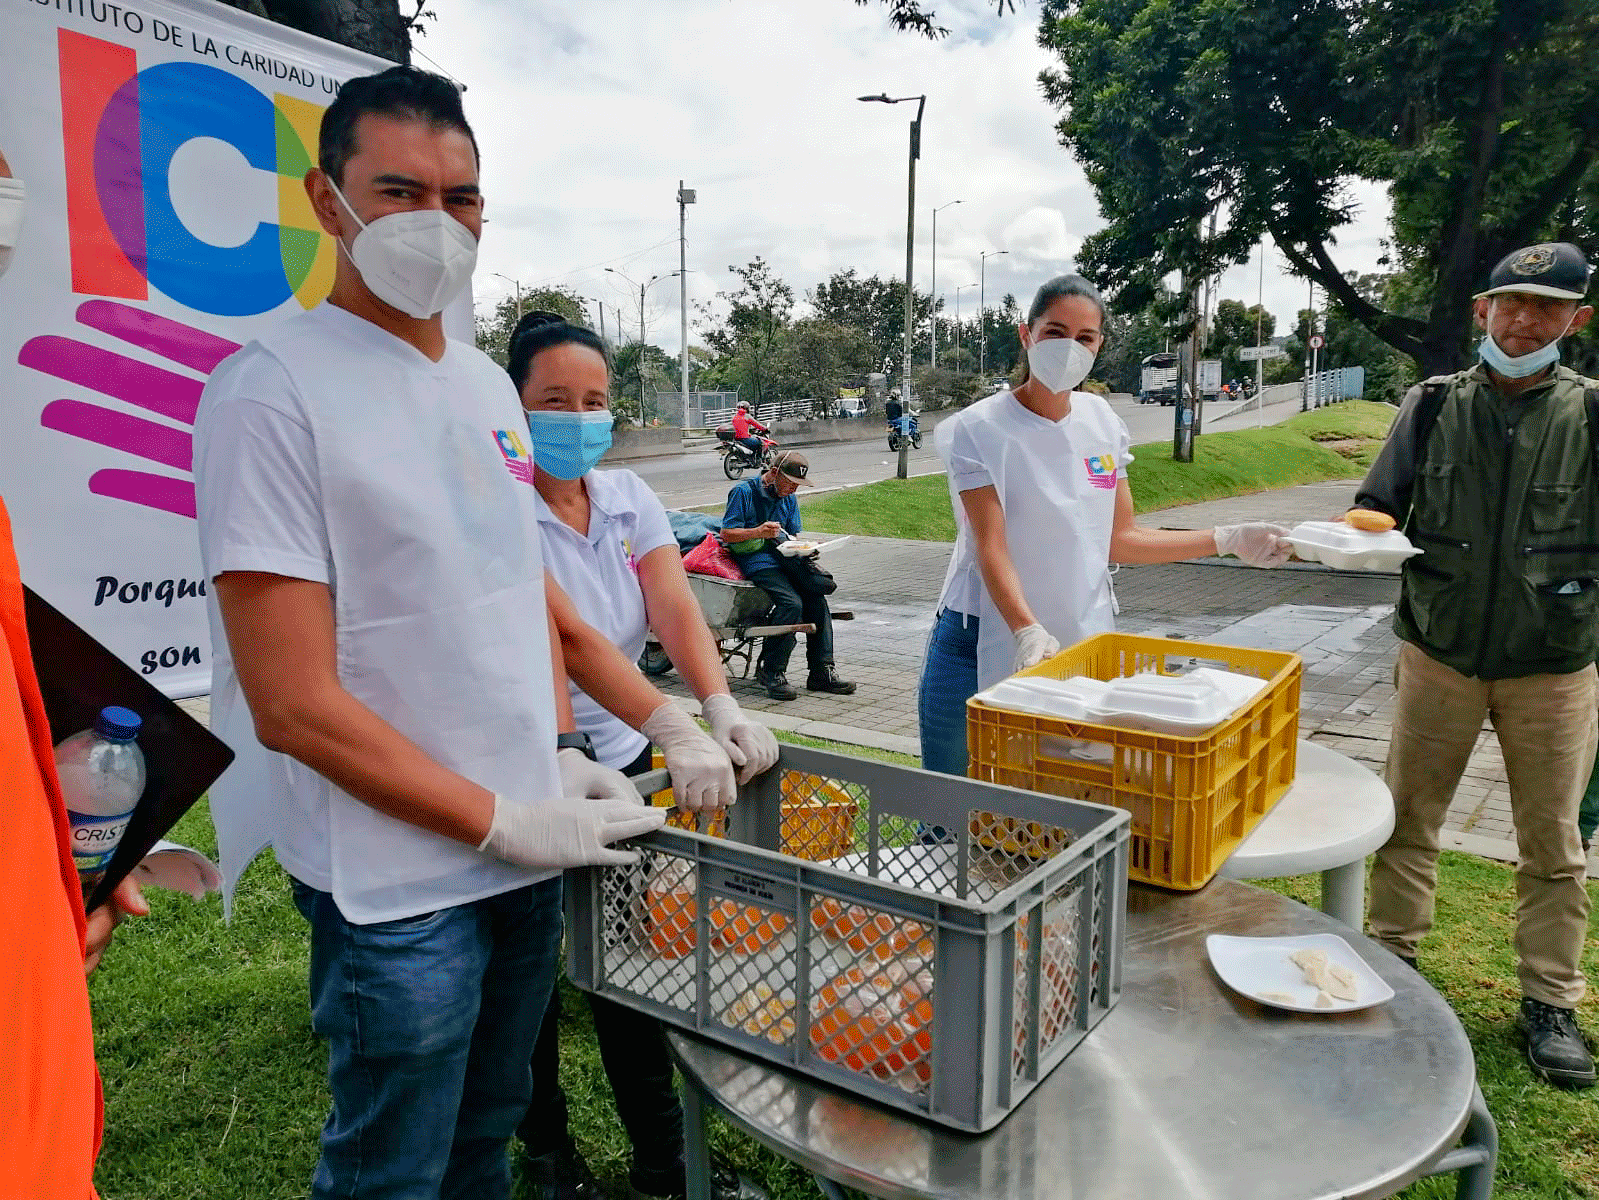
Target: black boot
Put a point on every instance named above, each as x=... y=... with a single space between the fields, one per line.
x=776 y=684
x=825 y=679
x=562 y=1175
x=727 y=1183
x=1555 y=1046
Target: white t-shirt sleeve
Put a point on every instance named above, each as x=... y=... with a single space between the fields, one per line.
x=1124 y=442
x=257 y=491
x=654 y=529
x=967 y=470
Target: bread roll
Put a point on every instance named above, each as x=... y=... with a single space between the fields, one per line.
x=1369 y=520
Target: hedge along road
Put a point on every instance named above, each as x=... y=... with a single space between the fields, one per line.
x=695 y=479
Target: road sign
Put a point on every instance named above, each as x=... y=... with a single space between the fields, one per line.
x=1209 y=376
x=1251 y=353
x=1317 y=341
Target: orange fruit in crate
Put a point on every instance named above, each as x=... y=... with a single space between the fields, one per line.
x=743 y=928
x=863 y=931
x=876 y=1024
x=669 y=922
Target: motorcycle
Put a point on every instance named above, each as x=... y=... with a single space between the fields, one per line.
x=902 y=430
x=738 y=458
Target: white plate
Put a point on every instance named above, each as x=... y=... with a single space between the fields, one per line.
x=1258 y=966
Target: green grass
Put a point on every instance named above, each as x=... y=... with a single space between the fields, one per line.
x=1337 y=442
x=214 y=1082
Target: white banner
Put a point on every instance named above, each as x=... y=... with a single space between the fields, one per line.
x=163 y=144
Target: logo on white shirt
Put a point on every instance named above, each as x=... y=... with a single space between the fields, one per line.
x=1102 y=471
x=518 y=460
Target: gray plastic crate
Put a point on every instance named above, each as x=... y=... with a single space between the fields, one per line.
x=942 y=976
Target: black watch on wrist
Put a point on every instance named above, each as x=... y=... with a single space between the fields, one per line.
x=577 y=741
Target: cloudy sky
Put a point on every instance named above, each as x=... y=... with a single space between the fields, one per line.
x=589 y=114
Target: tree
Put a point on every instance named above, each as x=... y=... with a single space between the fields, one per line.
x=814 y=359
x=876 y=307
x=1233 y=328
x=376 y=26
x=909 y=15
x=1003 y=349
x=493 y=332
x=1128 y=341
x=747 y=339
x=1478 y=114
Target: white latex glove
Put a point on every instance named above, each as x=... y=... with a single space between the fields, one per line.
x=571 y=831
x=748 y=743
x=1033 y=646
x=702 y=774
x=1258 y=543
x=584 y=779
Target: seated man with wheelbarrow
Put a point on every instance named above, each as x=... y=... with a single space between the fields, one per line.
x=761 y=513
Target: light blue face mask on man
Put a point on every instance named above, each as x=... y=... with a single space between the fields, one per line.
x=1521 y=366
x=568 y=444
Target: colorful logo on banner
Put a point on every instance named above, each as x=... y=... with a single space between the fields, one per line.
x=122 y=127
x=1101 y=470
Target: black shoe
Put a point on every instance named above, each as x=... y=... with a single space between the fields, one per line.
x=561 y=1175
x=726 y=1184
x=825 y=679
x=1555 y=1046
x=1409 y=960
x=776 y=684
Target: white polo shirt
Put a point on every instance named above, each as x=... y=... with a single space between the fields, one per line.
x=600 y=574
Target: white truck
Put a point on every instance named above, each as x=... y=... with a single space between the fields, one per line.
x=1157 y=379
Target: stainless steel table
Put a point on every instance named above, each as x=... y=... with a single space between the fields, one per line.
x=1186 y=1091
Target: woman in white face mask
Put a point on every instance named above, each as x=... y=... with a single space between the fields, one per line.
x=1037 y=477
x=608 y=543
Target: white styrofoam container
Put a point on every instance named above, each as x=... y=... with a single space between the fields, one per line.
x=1072 y=699
x=1347 y=548
x=1181 y=704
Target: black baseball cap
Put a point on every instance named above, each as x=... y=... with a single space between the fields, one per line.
x=1556 y=269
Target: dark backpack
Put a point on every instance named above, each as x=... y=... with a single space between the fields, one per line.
x=1432 y=402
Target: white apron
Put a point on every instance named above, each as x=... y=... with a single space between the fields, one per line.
x=1057 y=484
x=439 y=607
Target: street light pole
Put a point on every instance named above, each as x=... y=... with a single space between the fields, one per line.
x=642 y=288
x=982 y=311
x=910 y=252
x=517 y=284
x=958 y=292
x=685 y=197
x=932 y=354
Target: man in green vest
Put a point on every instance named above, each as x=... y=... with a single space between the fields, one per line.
x=1492 y=473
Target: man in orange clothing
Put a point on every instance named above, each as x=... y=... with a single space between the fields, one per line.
x=50 y=1105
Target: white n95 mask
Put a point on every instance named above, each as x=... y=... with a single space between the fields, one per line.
x=13 y=199
x=1060 y=364
x=418 y=261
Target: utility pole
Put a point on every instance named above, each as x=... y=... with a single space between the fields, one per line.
x=685 y=197
x=1260 y=363
x=1187 y=379
x=1310 y=330
x=517 y=284
x=958 y=292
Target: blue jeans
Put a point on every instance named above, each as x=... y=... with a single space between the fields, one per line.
x=430 y=1023
x=949 y=679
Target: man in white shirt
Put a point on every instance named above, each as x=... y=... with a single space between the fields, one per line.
x=367 y=513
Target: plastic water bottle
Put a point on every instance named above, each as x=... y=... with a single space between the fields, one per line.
x=102 y=777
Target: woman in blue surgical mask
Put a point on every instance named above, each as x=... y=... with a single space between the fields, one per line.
x=607 y=542
x=1038 y=481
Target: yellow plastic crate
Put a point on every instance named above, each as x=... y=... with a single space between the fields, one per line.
x=818 y=817
x=1192 y=799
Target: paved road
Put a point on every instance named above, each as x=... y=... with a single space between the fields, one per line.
x=694 y=479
